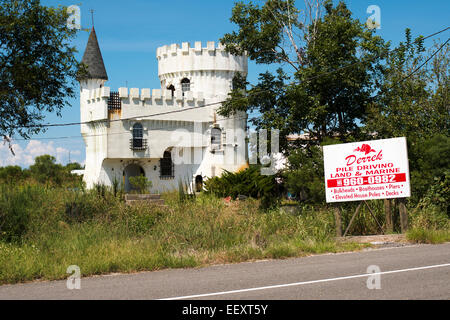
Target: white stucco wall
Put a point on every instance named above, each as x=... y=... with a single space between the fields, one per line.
x=179 y=123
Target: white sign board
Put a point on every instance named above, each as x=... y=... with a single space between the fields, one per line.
x=366 y=170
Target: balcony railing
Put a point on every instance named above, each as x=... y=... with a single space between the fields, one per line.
x=138 y=144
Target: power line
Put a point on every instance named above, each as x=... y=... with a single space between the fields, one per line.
x=123 y=119
x=436 y=33
x=215 y=103
x=357 y=62
x=123 y=132
x=417 y=69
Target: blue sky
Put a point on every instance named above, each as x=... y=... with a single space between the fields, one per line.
x=130 y=31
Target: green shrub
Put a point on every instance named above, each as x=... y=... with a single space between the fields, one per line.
x=141 y=184
x=430 y=162
x=430 y=217
x=249 y=182
x=16 y=206
x=304 y=176
x=12 y=174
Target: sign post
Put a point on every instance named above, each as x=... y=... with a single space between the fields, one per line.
x=367 y=170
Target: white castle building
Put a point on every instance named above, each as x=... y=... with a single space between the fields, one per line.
x=169 y=134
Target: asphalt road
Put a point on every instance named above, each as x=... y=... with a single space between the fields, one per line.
x=411 y=272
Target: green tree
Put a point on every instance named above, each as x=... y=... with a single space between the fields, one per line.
x=37 y=65
x=337 y=68
x=403 y=106
x=46 y=169
x=73 y=166
x=12 y=174
x=304 y=176
x=413 y=102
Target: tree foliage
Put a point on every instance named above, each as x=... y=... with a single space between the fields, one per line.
x=140 y=183
x=314 y=99
x=304 y=174
x=37 y=65
x=343 y=71
x=335 y=79
x=249 y=182
x=410 y=102
x=45 y=170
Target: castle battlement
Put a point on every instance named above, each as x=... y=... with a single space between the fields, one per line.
x=102 y=104
x=186 y=49
x=176 y=58
x=134 y=131
x=145 y=95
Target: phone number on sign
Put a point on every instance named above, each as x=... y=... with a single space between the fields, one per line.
x=359 y=181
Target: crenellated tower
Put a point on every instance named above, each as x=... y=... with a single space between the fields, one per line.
x=169 y=134
x=208 y=69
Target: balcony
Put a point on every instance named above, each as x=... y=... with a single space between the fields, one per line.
x=138 y=144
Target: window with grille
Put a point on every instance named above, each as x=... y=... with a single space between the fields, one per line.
x=166 y=166
x=216 y=138
x=138 y=142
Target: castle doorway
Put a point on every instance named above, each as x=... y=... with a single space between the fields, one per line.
x=198 y=183
x=132 y=170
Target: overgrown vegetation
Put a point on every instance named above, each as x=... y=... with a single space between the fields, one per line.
x=44 y=229
x=45 y=170
x=48 y=220
x=336 y=81
x=249 y=183
x=141 y=184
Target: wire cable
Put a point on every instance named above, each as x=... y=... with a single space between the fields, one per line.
x=219 y=102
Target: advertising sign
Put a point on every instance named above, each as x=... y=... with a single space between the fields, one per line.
x=366 y=170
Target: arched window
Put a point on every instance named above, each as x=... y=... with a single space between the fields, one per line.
x=185 y=85
x=216 y=137
x=166 y=166
x=138 y=142
x=171 y=88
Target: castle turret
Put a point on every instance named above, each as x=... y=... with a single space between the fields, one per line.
x=92 y=82
x=93 y=59
x=93 y=108
x=207 y=69
x=96 y=73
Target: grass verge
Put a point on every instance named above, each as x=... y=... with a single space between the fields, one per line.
x=100 y=234
x=43 y=231
x=421 y=235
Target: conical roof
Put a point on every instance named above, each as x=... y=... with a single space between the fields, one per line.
x=92 y=58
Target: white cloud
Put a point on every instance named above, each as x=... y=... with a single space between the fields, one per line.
x=24 y=155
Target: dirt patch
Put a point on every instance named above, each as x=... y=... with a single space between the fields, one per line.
x=378 y=240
